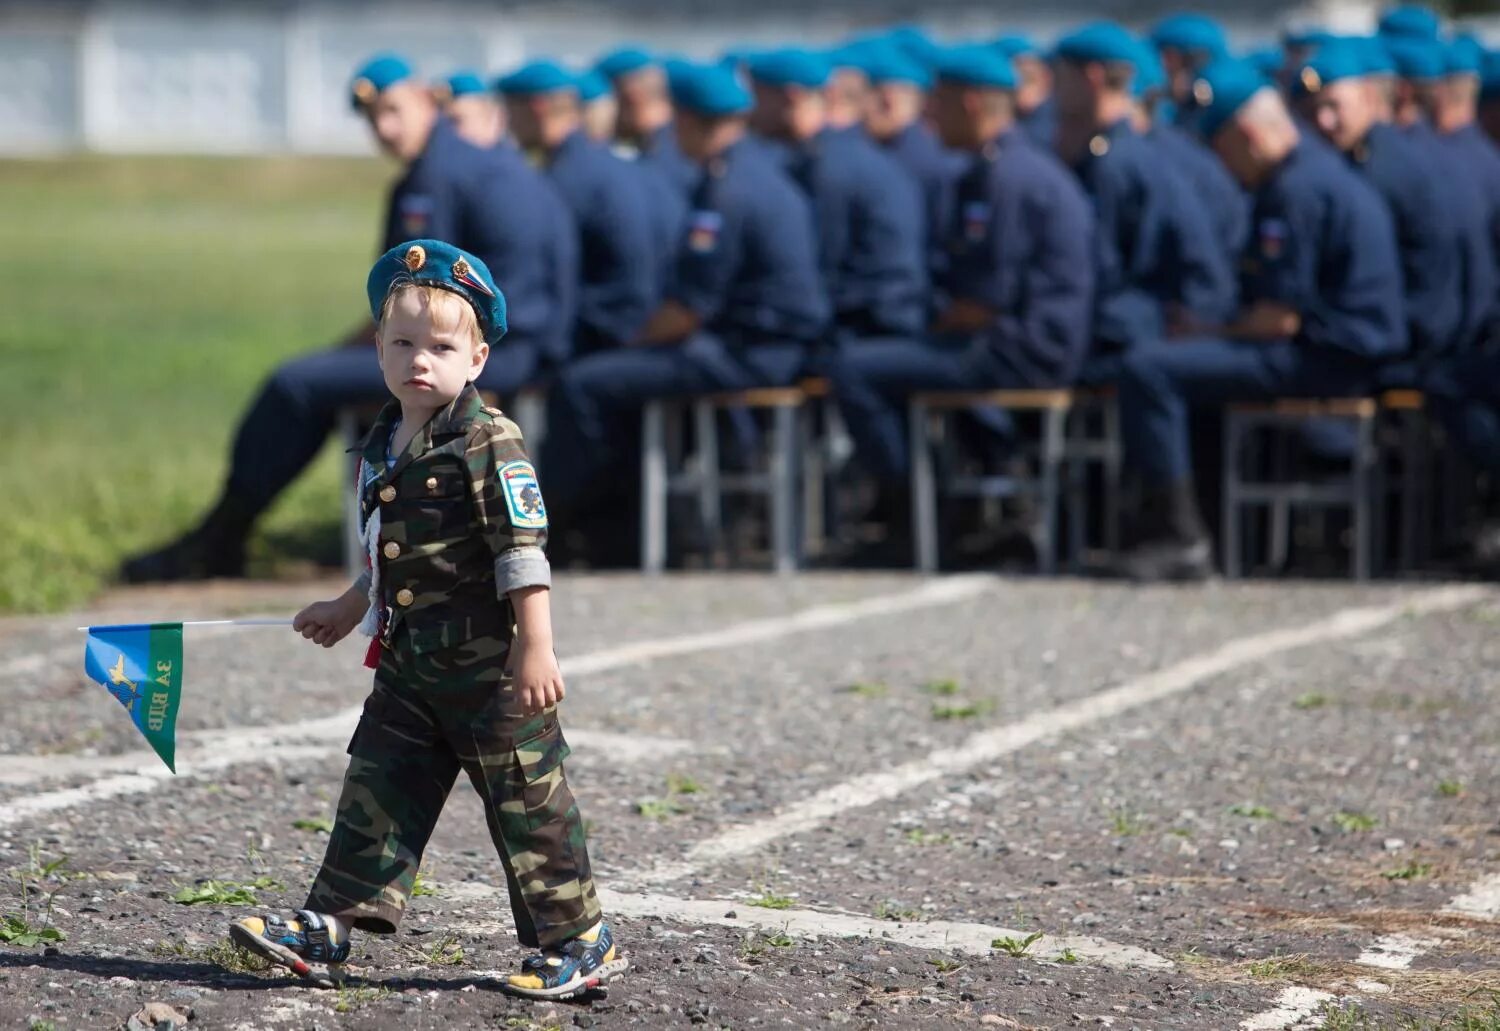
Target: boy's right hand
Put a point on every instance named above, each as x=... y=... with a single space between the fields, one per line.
x=329 y=622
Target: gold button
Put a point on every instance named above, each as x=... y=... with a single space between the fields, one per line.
x=404 y=597
x=388 y=494
x=432 y=483
x=391 y=549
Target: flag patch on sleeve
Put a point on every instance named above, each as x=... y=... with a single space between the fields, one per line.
x=523 y=496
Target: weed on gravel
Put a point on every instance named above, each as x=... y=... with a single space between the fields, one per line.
x=1411 y=870
x=1252 y=812
x=351 y=999
x=1450 y=788
x=1285 y=968
x=961 y=711
x=868 y=690
x=769 y=899
x=316 y=825
x=1354 y=822
x=889 y=909
x=1351 y=1016
x=1016 y=946
x=222 y=954
x=1127 y=824
x=920 y=836
x=226 y=893
x=29 y=928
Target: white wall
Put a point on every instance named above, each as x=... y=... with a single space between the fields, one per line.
x=136 y=76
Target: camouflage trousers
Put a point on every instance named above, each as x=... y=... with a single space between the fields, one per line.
x=429 y=716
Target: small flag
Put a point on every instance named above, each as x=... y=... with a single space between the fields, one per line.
x=141 y=665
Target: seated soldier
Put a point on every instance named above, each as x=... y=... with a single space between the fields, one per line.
x=867 y=212
x=487 y=202
x=1320 y=298
x=475 y=113
x=643 y=122
x=743 y=310
x=1018 y=275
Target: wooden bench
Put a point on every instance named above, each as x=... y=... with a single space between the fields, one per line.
x=1360 y=491
x=1064 y=447
x=699 y=474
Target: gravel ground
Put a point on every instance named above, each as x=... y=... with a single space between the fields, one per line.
x=1260 y=830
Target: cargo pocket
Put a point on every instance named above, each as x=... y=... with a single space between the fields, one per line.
x=544 y=790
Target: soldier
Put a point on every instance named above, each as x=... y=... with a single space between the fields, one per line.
x=1320 y=302
x=457 y=598
x=644 y=121
x=744 y=308
x=1489 y=97
x=1157 y=261
x=472 y=108
x=1187 y=43
x=1018 y=280
x=448 y=189
x=618 y=259
x=599 y=107
x=868 y=213
x=1036 y=107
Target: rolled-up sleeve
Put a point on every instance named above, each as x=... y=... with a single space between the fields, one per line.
x=508 y=505
x=521 y=567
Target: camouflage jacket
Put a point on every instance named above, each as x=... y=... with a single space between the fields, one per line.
x=462 y=523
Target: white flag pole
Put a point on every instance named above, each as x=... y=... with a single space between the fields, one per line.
x=202 y=622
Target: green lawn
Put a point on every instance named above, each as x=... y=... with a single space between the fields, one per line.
x=142 y=301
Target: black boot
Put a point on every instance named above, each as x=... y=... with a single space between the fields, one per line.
x=1171 y=543
x=215 y=549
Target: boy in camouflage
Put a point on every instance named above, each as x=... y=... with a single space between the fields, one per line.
x=456 y=598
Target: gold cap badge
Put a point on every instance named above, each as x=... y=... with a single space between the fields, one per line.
x=1203 y=93
x=364 y=90
x=416 y=257
x=1311 y=80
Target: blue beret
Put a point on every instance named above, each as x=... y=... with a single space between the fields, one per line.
x=855 y=55
x=975 y=66
x=1013 y=45
x=464 y=83
x=1193 y=32
x=435 y=263
x=1377 y=58
x=1489 y=77
x=1267 y=60
x=536 y=78
x=1410 y=21
x=790 y=66
x=1222 y=89
x=711 y=90
x=623 y=62
x=1465 y=55
x=1341 y=60
x=591 y=85
x=1307 y=36
x=1150 y=74
x=915 y=44
x=377 y=75
x=888 y=63
x=1098 y=41
x=1417 y=59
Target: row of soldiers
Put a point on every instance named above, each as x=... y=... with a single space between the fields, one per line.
x=1154 y=214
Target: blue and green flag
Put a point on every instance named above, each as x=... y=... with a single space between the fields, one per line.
x=141 y=665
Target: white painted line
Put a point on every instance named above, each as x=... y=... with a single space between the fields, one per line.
x=212 y=751
x=1296 y=1007
x=946 y=935
x=1481 y=900
x=1395 y=951
x=989 y=745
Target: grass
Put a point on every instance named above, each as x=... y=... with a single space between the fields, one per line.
x=1284 y=968
x=420 y=886
x=1354 y=822
x=962 y=710
x=682 y=784
x=941 y=688
x=659 y=808
x=891 y=910
x=756 y=943
x=944 y=965
x=223 y=954
x=1069 y=957
x=1310 y=700
x=1253 y=812
x=1127 y=824
x=33 y=925
x=1450 y=788
x=919 y=836
x=868 y=689
x=1016 y=946
x=155 y=296
x=226 y=893
x=1346 y=1015
x=766 y=898
x=1411 y=870
x=446 y=951
x=316 y=825
x=351 y=999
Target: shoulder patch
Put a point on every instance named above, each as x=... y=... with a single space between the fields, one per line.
x=523 y=496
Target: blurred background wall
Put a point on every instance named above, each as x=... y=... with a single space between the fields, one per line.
x=239 y=76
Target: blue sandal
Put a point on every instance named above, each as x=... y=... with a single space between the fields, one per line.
x=294 y=944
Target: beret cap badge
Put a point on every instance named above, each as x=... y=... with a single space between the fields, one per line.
x=463 y=273
x=415 y=257
x=364 y=90
x=1311 y=80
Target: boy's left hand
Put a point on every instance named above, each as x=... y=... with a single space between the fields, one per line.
x=538 y=678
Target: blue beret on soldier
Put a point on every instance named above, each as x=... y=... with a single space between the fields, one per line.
x=1343 y=59
x=1191 y=33
x=591 y=85
x=1489 y=77
x=1306 y=36
x=1376 y=56
x=1420 y=60
x=915 y=43
x=623 y=61
x=463 y=83
x=537 y=78
x=377 y=75
x=1410 y=21
x=888 y=63
x=975 y=66
x=1099 y=41
x=711 y=90
x=1150 y=74
x=1268 y=60
x=1013 y=45
x=1223 y=88
x=1464 y=55
x=435 y=263
x=790 y=66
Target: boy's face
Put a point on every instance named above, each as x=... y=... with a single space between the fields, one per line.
x=427 y=349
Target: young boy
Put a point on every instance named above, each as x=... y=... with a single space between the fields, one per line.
x=456 y=597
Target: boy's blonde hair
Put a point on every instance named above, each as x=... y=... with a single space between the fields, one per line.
x=448 y=310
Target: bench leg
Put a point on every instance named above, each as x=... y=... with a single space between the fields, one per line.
x=923 y=491
x=814 y=481
x=1364 y=501
x=1232 y=510
x=654 y=487
x=1045 y=532
x=710 y=494
x=1078 y=475
x=1114 y=475
x=354 y=550
x=784 y=442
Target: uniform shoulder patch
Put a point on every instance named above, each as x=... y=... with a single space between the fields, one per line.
x=523 y=496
